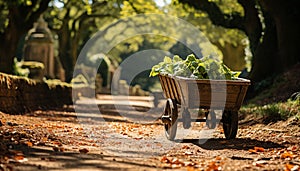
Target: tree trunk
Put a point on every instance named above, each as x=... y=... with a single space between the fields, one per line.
x=65 y=55
x=8 y=48
x=279 y=49
x=265 y=58
x=286 y=16
x=6 y=57
x=65 y=48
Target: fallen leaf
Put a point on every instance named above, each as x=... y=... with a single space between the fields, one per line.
x=185 y=147
x=164 y=159
x=28 y=143
x=221 y=131
x=293 y=148
x=287 y=155
x=252 y=151
x=83 y=150
x=189 y=168
x=138 y=138
x=177 y=161
x=61 y=149
x=159 y=144
x=218 y=158
x=288 y=167
x=123 y=133
x=259 y=149
x=44 y=139
x=56 y=143
x=213 y=167
x=256 y=150
x=19 y=157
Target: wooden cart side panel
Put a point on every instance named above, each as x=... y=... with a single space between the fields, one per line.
x=241 y=97
x=164 y=86
x=200 y=98
x=171 y=88
x=197 y=93
x=225 y=95
x=183 y=92
x=176 y=90
x=166 y=83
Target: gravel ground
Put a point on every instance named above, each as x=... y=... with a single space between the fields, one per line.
x=132 y=138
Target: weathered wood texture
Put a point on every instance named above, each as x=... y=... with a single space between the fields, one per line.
x=207 y=94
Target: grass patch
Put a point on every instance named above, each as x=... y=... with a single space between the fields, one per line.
x=52 y=83
x=274 y=112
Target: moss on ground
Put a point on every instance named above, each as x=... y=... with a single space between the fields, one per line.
x=274 y=112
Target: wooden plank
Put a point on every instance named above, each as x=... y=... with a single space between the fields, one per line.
x=164 y=86
x=169 y=83
x=175 y=91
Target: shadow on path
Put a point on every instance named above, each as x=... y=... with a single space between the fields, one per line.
x=238 y=144
x=99 y=113
x=44 y=158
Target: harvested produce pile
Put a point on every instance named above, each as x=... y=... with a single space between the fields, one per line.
x=191 y=67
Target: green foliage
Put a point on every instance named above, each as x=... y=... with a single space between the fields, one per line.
x=33 y=65
x=275 y=111
x=227 y=41
x=18 y=70
x=205 y=68
x=54 y=83
x=3 y=16
x=217 y=35
x=9 y=6
x=133 y=7
x=80 y=79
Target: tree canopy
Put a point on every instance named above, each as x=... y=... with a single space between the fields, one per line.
x=269 y=28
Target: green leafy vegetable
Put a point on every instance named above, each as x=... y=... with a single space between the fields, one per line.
x=192 y=67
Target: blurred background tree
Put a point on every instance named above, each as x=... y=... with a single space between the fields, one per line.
x=16 y=18
x=271 y=26
x=74 y=22
x=264 y=29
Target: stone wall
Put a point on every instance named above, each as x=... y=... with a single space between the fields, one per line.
x=20 y=95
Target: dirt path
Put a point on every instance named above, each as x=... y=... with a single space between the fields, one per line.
x=118 y=137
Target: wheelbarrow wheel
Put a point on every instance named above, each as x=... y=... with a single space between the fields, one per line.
x=211 y=120
x=230 y=124
x=171 y=110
